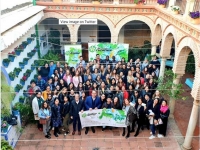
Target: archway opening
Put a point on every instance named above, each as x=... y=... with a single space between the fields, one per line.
x=93 y=34
x=53 y=36
x=138 y=35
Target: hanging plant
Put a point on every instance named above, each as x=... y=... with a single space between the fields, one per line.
x=11 y=56
x=18 y=87
x=11 y=76
x=17 y=71
x=18 y=51
x=6 y=62
x=21 y=64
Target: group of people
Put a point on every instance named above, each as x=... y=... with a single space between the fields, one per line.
x=60 y=93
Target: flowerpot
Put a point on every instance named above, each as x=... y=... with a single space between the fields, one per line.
x=5 y=64
x=4 y=130
x=25 y=62
x=17 y=53
x=195 y=21
x=17 y=90
x=24 y=45
x=161 y=6
x=95 y=2
x=32 y=68
x=17 y=73
x=175 y=12
x=29 y=41
x=12 y=78
x=11 y=58
x=22 y=82
x=21 y=66
x=15 y=112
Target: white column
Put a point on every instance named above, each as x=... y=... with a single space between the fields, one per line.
x=162 y=67
x=153 y=49
x=191 y=125
x=116 y=2
x=189 y=7
x=172 y=101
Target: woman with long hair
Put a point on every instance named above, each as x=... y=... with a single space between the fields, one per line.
x=70 y=87
x=61 y=73
x=108 y=69
x=113 y=74
x=87 y=73
x=120 y=83
x=102 y=72
x=62 y=94
x=76 y=79
x=98 y=80
x=159 y=96
x=130 y=111
x=164 y=114
x=67 y=77
x=55 y=81
x=55 y=73
x=56 y=116
x=45 y=113
x=62 y=84
x=116 y=103
x=102 y=88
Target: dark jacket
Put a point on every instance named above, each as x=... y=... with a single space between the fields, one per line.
x=61 y=98
x=149 y=105
x=105 y=105
x=76 y=108
x=65 y=109
x=156 y=111
x=89 y=103
x=140 y=112
x=44 y=72
x=55 y=112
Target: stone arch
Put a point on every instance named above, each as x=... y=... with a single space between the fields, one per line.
x=100 y=17
x=187 y=45
x=168 y=37
x=58 y=16
x=156 y=35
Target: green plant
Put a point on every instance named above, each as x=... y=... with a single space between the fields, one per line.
x=7 y=95
x=168 y=87
x=5 y=145
x=18 y=87
x=4 y=124
x=190 y=65
x=33 y=35
x=138 y=1
x=25 y=112
x=26 y=59
x=19 y=129
x=28 y=71
x=30 y=54
x=21 y=98
x=11 y=75
x=17 y=69
x=24 y=43
x=6 y=60
x=175 y=8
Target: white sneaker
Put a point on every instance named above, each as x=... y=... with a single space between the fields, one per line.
x=152 y=137
x=160 y=136
x=65 y=134
x=151 y=132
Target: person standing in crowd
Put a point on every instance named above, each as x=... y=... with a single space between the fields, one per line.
x=130 y=117
x=92 y=102
x=36 y=106
x=81 y=61
x=31 y=91
x=56 y=117
x=52 y=67
x=76 y=106
x=41 y=82
x=46 y=92
x=164 y=114
x=45 y=113
x=65 y=114
x=140 y=115
x=77 y=79
x=67 y=77
x=44 y=71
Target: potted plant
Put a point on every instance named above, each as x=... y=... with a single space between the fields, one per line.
x=33 y=35
x=24 y=43
x=21 y=64
x=96 y=1
x=29 y=40
x=4 y=126
x=28 y=72
x=162 y=3
x=23 y=79
x=18 y=87
x=25 y=60
x=195 y=17
x=175 y=9
x=25 y=93
x=32 y=67
x=5 y=145
x=17 y=71
x=21 y=99
x=11 y=56
x=6 y=62
x=139 y=2
x=18 y=51
x=30 y=54
x=11 y=76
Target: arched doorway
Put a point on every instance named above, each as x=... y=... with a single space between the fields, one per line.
x=53 y=36
x=138 y=35
x=93 y=34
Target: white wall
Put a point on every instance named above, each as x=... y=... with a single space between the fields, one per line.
x=86 y=32
x=121 y=35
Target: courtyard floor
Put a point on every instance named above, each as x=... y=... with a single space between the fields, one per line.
x=33 y=139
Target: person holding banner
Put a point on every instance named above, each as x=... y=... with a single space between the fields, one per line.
x=76 y=106
x=92 y=102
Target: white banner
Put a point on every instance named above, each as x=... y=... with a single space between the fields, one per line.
x=103 y=117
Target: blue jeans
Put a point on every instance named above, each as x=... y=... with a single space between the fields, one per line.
x=153 y=130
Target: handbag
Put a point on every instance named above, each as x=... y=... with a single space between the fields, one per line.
x=132 y=117
x=43 y=120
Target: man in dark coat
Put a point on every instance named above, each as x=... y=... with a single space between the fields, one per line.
x=92 y=102
x=76 y=106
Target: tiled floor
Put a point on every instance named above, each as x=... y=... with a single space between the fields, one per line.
x=33 y=139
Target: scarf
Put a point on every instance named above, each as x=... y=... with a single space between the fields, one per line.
x=163 y=109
